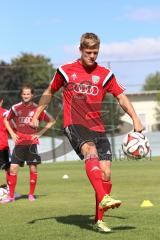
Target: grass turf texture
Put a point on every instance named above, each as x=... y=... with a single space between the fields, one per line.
x=64 y=209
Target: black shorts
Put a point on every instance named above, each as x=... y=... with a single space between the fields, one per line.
x=25 y=153
x=4 y=159
x=78 y=135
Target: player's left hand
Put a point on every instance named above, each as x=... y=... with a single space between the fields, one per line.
x=35 y=136
x=34 y=123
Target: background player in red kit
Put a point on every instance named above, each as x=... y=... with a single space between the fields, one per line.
x=85 y=84
x=4 y=149
x=25 y=138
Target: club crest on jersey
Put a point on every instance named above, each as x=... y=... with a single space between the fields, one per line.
x=74 y=76
x=95 y=79
x=31 y=113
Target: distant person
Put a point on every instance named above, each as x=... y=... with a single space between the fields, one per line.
x=4 y=148
x=26 y=139
x=85 y=84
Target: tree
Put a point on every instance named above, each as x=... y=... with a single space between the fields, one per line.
x=157 y=109
x=26 y=68
x=35 y=69
x=6 y=80
x=152 y=82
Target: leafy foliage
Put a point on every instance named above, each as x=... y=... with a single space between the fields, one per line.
x=35 y=69
x=26 y=68
x=152 y=82
x=158 y=112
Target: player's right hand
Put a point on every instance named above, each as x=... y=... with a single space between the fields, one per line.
x=138 y=126
x=34 y=123
x=15 y=137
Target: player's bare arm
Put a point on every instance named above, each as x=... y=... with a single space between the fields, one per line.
x=47 y=126
x=128 y=108
x=43 y=103
x=10 y=130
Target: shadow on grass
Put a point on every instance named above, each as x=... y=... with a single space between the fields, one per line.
x=82 y=221
x=25 y=196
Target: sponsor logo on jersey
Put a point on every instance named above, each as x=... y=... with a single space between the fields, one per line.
x=24 y=120
x=95 y=79
x=86 y=89
x=83 y=88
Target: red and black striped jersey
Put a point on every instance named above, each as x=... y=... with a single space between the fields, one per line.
x=83 y=93
x=3 y=130
x=21 y=115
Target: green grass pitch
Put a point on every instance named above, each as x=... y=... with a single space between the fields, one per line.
x=64 y=209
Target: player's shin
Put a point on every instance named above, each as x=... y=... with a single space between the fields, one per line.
x=107 y=185
x=12 y=181
x=95 y=176
x=99 y=212
x=33 y=182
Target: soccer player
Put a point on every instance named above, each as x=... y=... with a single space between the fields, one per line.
x=25 y=138
x=4 y=148
x=85 y=84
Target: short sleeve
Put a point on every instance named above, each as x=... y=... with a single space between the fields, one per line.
x=57 y=82
x=113 y=86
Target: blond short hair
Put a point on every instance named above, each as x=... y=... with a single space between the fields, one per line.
x=89 y=40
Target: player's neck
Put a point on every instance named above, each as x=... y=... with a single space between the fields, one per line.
x=27 y=103
x=87 y=67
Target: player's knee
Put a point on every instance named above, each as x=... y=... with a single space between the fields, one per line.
x=14 y=169
x=33 y=168
x=106 y=175
x=89 y=150
x=90 y=156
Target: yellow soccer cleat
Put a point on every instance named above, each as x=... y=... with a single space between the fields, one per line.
x=109 y=202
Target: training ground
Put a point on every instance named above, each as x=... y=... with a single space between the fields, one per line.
x=64 y=208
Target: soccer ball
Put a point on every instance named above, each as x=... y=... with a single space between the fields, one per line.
x=135 y=145
x=3 y=193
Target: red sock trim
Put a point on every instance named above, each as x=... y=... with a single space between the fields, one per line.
x=33 y=182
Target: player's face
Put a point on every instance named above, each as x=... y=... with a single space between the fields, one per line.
x=89 y=56
x=26 y=95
